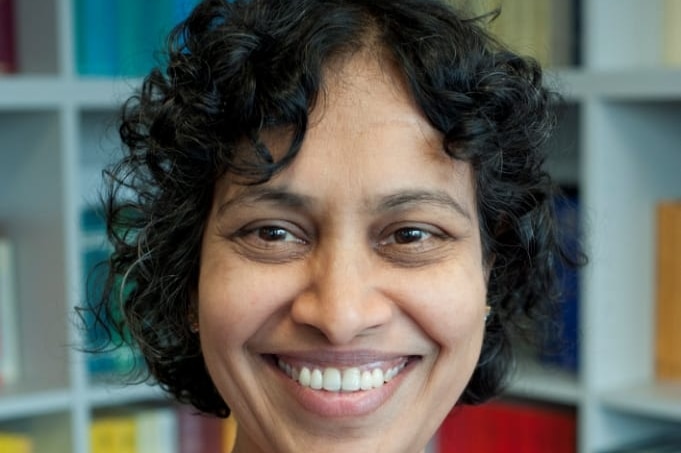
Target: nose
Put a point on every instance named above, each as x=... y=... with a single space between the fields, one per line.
x=342 y=300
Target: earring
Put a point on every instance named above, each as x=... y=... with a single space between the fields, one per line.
x=194 y=327
x=488 y=310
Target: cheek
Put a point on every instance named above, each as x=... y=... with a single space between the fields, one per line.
x=235 y=302
x=450 y=307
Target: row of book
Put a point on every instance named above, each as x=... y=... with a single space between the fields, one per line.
x=155 y=430
x=550 y=30
x=509 y=427
x=121 y=38
x=114 y=355
x=161 y=430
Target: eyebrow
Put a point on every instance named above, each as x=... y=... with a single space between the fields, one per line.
x=275 y=195
x=281 y=196
x=419 y=197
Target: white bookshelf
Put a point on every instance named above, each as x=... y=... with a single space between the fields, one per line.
x=621 y=144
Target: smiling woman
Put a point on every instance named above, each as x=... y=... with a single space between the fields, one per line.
x=330 y=197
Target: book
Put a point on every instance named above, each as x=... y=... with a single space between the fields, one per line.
x=8 y=62
x=156 y=430
x=121 y=38
x=114 y=355
x=671 y=35
x=200 y=433
x=229 y=429
x=561 y=345
x=15 y=443
x=509 y=427
x=9 y=322
x=668 y=291
x=544 y=29
x=97 y=28
x=113 y=434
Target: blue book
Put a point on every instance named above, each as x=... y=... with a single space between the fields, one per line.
x=562 y=346
x=96 y=37
x=137 y=36
x=116 y=356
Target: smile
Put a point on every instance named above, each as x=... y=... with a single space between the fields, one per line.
x=331 y=379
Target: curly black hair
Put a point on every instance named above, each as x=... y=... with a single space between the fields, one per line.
x=237 y=68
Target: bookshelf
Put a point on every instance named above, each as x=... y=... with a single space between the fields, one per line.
x=619 y=144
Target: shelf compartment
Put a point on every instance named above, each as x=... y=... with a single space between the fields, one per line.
x=538 y=382
x=32 y=217
x=661 y=400
x=48 y=433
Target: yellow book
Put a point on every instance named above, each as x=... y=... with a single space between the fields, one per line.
x=229 y=426
x=668 y=335
x=671 y=40
x=15 y=443
x=543 y=29
x=113 y=434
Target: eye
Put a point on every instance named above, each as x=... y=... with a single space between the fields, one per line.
x=274 y=234
x=414 y=245
x=409 y=235
x=271 y=242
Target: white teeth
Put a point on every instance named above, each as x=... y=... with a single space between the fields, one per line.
x=332 y=379
x=304 y=377
x=367 y=381
x=317 y=380
x=377 y=378
x=351 y=380
x=335 y=380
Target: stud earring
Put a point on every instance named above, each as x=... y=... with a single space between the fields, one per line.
x=194 y=327
x=488 y=310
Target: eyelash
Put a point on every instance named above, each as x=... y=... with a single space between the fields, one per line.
x=409 y=245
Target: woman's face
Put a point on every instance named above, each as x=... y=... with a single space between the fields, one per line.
x=341 y=304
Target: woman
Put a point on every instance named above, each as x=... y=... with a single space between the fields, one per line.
x=330 y=216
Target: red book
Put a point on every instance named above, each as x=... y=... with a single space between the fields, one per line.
x=7 y=42
x=502 y=427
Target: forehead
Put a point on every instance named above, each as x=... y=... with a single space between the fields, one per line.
x=368 y=137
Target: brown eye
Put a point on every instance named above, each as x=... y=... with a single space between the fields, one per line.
x=273 y=233
x=409 y=235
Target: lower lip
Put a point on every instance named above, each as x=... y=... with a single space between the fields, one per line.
x=342 y=404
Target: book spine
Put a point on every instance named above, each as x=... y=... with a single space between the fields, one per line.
x=115 y=355
x=157 y=431
x=229 y=429
x=7 y=37
x=15 y=443
x=97 y=29
x=504 y=427
x=561 y=346
x=668 y=304
x=9 y=335
x=113 y=434
x=671 y=35
x=198 y=433
x=136 y=36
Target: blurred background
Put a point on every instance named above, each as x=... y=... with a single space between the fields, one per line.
x=609 y=381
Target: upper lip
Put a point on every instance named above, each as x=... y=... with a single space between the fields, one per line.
x=335 y=358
